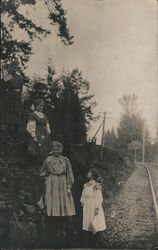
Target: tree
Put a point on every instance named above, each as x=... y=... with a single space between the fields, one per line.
x=131 y=123
x=68 y=104
x=110 y=139
x=73 y=108
x=129 y=104
x=12 y=17
x=135 y=146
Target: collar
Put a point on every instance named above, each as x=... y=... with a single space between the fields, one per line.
x=38 y=112
x=91 y=182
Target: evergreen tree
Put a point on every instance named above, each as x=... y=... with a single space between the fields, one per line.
x=73 y=108
x=110 y=139
x=68 y=104
x=13 y=17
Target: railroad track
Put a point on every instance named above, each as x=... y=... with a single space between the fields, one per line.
x=152 y=173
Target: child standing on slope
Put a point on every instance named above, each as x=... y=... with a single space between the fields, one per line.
x=91 y=201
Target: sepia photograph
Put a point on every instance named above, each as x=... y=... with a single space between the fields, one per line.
x=79 y=124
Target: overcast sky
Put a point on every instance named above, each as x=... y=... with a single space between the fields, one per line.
x=115 y=46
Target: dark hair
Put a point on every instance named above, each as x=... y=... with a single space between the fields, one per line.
x=95 y=173
x=38 y=101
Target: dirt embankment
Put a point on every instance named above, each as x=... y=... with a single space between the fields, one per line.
x=21 y=223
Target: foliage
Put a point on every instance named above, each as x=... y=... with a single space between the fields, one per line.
x=110 y=139
x=58 y=16
x=12 y=18
x=129 y=104
x=134 y=145
x=131 y=123
x=75 y=108
x=151 y=152
x=68 y=104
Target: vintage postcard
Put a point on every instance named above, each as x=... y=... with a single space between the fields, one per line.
x=79 y=124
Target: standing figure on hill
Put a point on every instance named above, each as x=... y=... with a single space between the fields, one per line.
x=58 y=198
x=39 y=143
x=91 y=201
x=12 y=115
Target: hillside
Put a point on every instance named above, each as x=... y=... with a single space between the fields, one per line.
x=22 y=223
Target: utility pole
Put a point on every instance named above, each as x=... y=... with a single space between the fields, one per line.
x=143 y=149
x=97 y=131
x=102 y=139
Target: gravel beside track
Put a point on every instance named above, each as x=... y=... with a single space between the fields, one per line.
x=131 y=222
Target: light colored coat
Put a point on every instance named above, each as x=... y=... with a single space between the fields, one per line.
x=59 y=177
x=91 y=199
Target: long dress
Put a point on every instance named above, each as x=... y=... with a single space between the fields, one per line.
x=59 y=178
x=38 y=126
x=11 y=103
x=91 y=199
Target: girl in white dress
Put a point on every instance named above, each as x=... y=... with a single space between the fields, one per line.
x=91 y=201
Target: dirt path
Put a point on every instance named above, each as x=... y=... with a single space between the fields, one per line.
x=130 y=223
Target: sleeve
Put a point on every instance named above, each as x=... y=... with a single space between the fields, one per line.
x=4 y=84
x=69 y=174
x=48 y=127
x=44 y=170
x=20 y=80
x=31 y=126
x=99 y=197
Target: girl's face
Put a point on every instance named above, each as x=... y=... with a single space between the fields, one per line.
x=39 y=107
x=13 y=68
x=57 y=151
x=89 y=175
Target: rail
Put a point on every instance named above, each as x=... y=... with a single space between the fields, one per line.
x=152 y=191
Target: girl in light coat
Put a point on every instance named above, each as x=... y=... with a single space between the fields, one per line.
x=58 y=199
x=91 y=201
